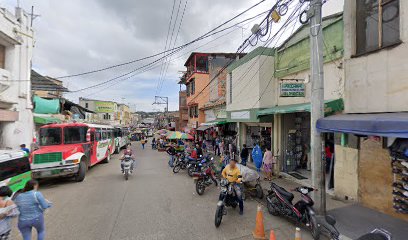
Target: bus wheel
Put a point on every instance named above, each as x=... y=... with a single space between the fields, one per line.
x=80 y=176
x=107 y=159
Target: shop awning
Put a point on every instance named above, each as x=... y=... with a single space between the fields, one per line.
x=331 y=106
x=45 y=120
x=379 y=124
x=203 y=128
x=215 y=122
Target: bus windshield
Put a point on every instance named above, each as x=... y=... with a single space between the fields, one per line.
x=50 y=136
x=74 y=135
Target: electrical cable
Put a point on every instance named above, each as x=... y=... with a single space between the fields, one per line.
x=155 y=61
x=168 y=50
x=244 y=75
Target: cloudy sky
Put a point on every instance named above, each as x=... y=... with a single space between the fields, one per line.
x=75 y=36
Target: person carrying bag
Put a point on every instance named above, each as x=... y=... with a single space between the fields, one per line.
x=31 y=204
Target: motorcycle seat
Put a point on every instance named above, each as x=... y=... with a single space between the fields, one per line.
x=289 y=196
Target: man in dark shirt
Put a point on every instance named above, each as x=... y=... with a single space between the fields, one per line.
x=244 y=155
x=199 y=150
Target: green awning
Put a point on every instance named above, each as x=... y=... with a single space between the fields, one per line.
x=215 y=122
x=330 y=107
x=45 y=120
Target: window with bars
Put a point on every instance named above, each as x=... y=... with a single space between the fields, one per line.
x=378 y=24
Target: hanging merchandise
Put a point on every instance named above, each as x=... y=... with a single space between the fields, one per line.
x=399 y=158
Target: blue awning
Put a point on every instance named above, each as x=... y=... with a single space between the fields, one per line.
x=376 y=124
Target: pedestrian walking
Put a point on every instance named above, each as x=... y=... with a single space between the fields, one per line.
x=268 y=162
x=8 y=210
x=217 y=147
x=31 y=204
x=244 y=154
x=222 y=147
x=143 y=142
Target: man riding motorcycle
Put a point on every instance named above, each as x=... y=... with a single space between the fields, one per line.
x=232 y=173
x=127 y=152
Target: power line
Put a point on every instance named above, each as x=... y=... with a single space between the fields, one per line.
x=240 y=49
x=155 y=61
x=167 y=38
x=175 y=41
x=168 y=50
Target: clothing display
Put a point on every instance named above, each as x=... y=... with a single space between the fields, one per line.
x=400 y=184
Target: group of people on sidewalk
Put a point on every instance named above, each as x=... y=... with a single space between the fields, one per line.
x=28 y=206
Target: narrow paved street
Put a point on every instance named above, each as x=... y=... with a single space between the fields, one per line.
x=153 y=204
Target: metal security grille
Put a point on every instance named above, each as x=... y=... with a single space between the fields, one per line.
x=47 y=157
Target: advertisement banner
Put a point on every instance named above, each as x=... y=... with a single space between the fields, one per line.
x=104 y=107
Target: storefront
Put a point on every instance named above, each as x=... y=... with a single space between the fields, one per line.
x=380 y=161
x=293 y=135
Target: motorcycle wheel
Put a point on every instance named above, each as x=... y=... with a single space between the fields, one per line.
x=259 y=191
x=190 y=172
x=314 y=228
x=200 y=187
x=218 y=215
x=126 y=175
x=176 y=168
x=271 y=209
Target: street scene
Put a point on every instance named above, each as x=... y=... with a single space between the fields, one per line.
x=181 y=119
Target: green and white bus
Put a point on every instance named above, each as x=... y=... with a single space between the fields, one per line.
x=15 y=169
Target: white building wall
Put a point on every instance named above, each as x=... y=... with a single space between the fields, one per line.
x=376 y=82
x=333 y=84
x=15 y=87
x=249 y=81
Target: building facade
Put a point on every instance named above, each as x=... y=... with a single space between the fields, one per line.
x=196 y=79
x=183 y=111
x=16 y=47
x=105 y=111
x=292 y=92
x=375 y=99
x=249 y=80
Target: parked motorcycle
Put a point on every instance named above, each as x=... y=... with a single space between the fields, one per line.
x=194 y=165
x=279 y=202
x=180 y=162
x=227 y=198
x=204 y=178
x=127 y=166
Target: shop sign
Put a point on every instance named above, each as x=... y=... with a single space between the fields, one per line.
x=210 y=115
x=292 y=89
x=222 y=113
x=241 y=115
x=104 y=107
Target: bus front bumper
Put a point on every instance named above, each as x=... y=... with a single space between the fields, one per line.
x=60 y=171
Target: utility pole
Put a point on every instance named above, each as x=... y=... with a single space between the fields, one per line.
x=159 y=100
x=317 y=101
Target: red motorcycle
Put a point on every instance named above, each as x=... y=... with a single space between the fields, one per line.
x=204 y=178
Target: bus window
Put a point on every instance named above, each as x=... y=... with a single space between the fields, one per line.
x=50 y=136
x=98 y=134
x=116 y=132
x=74 y=135
x=9 y=169
x=92 y=136
x=104 y=134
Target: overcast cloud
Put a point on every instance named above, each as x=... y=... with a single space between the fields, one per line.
x=74 y=36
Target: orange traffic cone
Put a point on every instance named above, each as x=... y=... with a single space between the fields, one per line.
x=259 y=231
x=297 y=234
x=272 y=235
